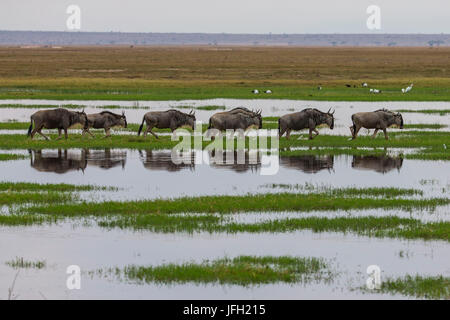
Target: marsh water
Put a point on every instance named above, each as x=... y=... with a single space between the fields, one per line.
x=150 y=174
x=147 y=174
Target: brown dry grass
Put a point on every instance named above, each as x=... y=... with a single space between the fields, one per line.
x=228 y=64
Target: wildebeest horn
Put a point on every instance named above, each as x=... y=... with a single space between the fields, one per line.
x=329 y=110
x=333 y=111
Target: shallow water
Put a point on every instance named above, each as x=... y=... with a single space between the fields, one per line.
x=92 y=249
x=269 y=107
x=152 y=174
x=143 y=174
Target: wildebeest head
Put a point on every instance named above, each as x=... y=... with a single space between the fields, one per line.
x=123 y=120
x=190 y=119
x=398 y=120
x=329 y=118
x=257 y=116
x=82 y=118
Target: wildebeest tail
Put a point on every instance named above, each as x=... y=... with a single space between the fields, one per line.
x=30 y=128
x=141 y=126
x=279 y=127
x=209 y=126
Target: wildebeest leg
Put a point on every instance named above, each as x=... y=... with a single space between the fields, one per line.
x=88 y=131
x=59 y=134
x=154 y=134
x=375 y=133
x=316 y=132
x=355 y=134
x=288 y=134
x=65 y=133
x=39 y=131
x=281 y=132
x=385 y=134
x=149 y=129
x=107 y=133
x=352 y=130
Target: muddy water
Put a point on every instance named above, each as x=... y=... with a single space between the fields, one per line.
x=92 y=249
x=152 y=174
x=270 y=107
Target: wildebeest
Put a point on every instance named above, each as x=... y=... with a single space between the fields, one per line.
x=380 y=164
x=307 y=118
x=172 y=119
x=237 y=118
x=60 y=119
x=378 y=120
x=105 y=120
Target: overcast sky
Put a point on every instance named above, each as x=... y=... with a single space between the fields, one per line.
x=229 y=16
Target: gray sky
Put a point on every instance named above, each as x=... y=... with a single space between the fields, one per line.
x=230 y=16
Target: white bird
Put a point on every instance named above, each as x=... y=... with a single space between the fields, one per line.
x=365 y=84
x=375 y=91
x=319 y=88
x=409 y=88
x=255 y=91
x=371 y=90
x=268 y=91
x=403 y=90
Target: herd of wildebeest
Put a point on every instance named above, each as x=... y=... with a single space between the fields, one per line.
x=235 y=119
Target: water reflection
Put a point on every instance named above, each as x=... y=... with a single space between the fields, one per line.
x=161 y=160
x=59 y=162
x=308 y=163
x=105 y=159
x=63 y=161
x=238 y=161
x=381 y=164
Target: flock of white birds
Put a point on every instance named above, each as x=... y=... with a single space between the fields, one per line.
x=364 y=85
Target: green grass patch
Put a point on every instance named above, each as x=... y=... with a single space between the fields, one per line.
x=437 y=287
x=9 y=157
x=349 y=192
x=233 y=204
x=242 y=271
x=404 y=139
x=21 y=263
x=9 y=198
x=182 y=90
x=48 y=187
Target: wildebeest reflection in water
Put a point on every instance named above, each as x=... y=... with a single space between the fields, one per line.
x=63 y=161
x=60 y=162
x=308 y=163
x=380 y=164
x=161 y=160
x=106 y=159
x=239 y=161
